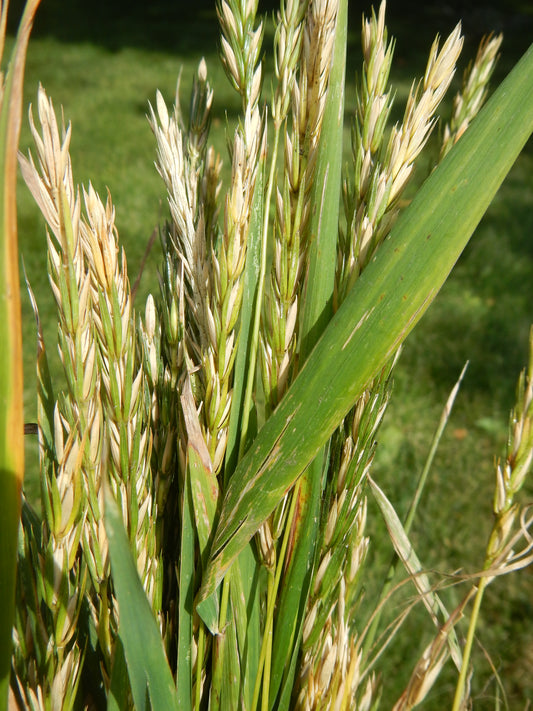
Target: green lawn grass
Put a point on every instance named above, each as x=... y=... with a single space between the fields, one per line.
x=103 y=66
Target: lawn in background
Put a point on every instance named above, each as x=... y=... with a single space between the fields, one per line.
x=103 y=62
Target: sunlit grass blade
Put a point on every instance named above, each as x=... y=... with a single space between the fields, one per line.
x=11 y=389
x=407 y=555
x=317 y=311
x=325 y=200
x=420 y=487
x=151 y=681
x=387 y=301
x=241 y=402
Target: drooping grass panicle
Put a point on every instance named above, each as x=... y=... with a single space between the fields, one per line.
x=472 y=95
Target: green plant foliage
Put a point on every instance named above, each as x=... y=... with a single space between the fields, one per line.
x=150 y=678
x=202 y=540
x=377 y=315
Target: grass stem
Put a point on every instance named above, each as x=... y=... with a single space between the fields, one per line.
x=273 y=585
x=461 y=682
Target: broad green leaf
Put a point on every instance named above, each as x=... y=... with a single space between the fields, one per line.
x=383 y=307
x=151 y=681
x=118 y=698
x=11 y=389
x=317 y=312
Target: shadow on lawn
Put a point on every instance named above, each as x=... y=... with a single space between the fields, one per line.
x=184 y=26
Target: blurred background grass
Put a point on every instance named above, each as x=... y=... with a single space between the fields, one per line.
x=103 y=61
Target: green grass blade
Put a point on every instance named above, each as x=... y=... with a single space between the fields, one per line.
x=11 y=390
x=151 y=681
x=407 y=555
x=420 y=487
x=117 y=699
x=317 y=312
x=244 y=369
x=246 y=610
x=185 y=602
x=325 y=201
x=387 y=301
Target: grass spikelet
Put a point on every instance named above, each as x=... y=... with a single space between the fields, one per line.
x=101 y=413
x=384 y=168
x=473 y=93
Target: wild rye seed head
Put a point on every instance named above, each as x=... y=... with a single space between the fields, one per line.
x=473 y=93
x=384 y=168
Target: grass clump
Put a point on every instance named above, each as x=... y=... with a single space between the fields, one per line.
x=204 y=471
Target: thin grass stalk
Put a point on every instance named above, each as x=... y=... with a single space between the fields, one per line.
x=510 y=478
x=430 y=664
x=421 y=484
